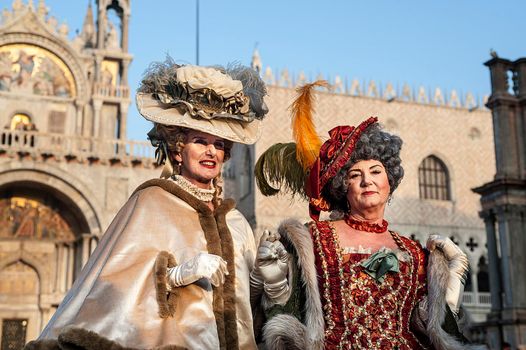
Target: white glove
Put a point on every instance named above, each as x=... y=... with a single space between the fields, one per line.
x=203 y=265
x=458 y=268
x=271 y=268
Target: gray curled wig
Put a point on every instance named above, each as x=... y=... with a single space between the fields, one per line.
x=373 y=144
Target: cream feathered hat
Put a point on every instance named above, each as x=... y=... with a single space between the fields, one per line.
x=225 y=102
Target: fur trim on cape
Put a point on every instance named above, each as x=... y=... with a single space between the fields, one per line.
x=165 y=300
x=285 y=332
x=298 y=235
x=437 y=279
x=72 y=338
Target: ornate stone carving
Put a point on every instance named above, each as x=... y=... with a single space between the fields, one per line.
x=438 y=98
x=470 y=102
x=256 y=61
x=422 y=96
x=284 y=79
x=372 y=90
x=268 y=77
x=356 y=90
x=338 y=86
x=407 y=95
x=389 y=92
x=454 y=101
x=111 y=41
x=302 y=80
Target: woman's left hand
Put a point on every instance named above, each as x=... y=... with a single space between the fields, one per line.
x=458 y=268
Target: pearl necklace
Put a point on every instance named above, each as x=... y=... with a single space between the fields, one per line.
x=205 y=195
x=365 y=226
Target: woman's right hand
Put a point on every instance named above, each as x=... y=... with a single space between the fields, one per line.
x=203 y=265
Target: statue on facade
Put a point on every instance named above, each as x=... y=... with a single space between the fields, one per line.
x=112 y=37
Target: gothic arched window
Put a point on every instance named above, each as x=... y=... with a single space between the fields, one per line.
x=433 y=179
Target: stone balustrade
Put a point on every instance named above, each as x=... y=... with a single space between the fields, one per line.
x=478 y=299
x=59 y=146
x=109 y=90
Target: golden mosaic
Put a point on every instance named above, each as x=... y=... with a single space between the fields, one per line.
x=31 y=69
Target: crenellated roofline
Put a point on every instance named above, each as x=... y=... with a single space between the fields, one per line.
x=371 y=89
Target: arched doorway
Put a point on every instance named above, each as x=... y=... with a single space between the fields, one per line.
x=19 y=283
x=43 y=238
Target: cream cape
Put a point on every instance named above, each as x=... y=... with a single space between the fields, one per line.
x=115 y=294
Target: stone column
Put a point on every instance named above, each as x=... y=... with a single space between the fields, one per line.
x=70 y=249
x=520 y=68
x=61 y=285
x=513 y=257
x=98 y=64
x=101 y=26
x=86 y=250
x=505 y=257
x=124 y=72
x=97 y=107
x=513 y=267
x=93 y=243
x=124 y=33
x=506 y=134
x=79 y=108
x=493 y=261
x=475 y=283
x=123 y=112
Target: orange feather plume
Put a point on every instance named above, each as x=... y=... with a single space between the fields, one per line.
x=308 y=143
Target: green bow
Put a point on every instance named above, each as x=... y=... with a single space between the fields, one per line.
x=379 y=264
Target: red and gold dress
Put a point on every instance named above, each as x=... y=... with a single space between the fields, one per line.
x=361 y=313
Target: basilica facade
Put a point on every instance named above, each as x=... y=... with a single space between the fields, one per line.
x=66 y=166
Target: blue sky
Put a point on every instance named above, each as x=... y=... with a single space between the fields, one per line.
x=430 y=43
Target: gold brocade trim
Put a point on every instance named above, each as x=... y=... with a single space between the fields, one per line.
x=348 y=337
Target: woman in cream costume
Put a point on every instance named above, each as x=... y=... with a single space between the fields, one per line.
x=172 y=270
x=352 y=283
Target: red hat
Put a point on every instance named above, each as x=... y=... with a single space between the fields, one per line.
x=304 y=167
x=334 y=154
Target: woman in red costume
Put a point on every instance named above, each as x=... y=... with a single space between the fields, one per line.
x=351 y=282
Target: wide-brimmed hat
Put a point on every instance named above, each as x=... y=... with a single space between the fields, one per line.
x=225 y=102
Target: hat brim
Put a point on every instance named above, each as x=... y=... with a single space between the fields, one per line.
x=234 y=130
